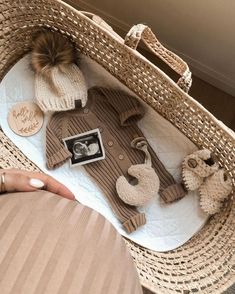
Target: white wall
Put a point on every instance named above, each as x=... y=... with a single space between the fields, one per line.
x=202 y=32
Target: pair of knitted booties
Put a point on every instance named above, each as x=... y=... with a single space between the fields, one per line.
x=200 y=170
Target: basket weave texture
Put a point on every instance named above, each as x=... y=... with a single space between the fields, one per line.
x=205 y=264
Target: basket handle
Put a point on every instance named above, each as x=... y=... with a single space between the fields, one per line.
x=142 y=32
x=100 y=22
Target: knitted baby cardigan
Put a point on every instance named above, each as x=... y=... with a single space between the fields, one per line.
x=114 y=112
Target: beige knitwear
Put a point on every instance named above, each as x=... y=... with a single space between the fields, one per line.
x=210 y=206
x=200 y=170
x=147 y=185
x=114 y=113
x=53 y=245
x=214 y=190
x=59 y=93
x=197 y=166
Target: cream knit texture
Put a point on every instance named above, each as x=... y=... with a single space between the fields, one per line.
x=195 y=169
x=146 y=188
x=148 y=183
x=212 y=183
x=70 y=85
x=208 y=205
x=214 y=190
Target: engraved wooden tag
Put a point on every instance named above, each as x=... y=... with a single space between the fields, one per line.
x=25 y=118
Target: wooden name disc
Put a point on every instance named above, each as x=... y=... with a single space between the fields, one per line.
x=25 y=118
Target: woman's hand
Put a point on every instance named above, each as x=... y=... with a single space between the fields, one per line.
x=16 y=180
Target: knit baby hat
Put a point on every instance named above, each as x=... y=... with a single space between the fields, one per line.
x=70 y=85
x=58 y=80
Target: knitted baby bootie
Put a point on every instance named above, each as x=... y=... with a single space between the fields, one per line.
x=214 y=190
x=197 y=166
x=210 y=206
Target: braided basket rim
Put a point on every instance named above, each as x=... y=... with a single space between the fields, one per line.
x=205 y=264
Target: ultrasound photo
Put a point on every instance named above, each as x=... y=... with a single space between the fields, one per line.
x=85 y=148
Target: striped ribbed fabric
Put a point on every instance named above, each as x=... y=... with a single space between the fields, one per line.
x=51 y=245
x=114 y=113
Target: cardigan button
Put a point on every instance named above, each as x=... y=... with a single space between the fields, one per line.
x=121 y=156
x=86 y=110
x=101 y=129
x=110 y=143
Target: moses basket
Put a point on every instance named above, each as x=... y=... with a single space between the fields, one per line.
x=205 y=264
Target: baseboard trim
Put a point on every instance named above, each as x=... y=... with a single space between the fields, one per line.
x=200 y=70
x=207 y=74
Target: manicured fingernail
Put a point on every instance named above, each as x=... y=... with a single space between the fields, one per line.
x=36 y=183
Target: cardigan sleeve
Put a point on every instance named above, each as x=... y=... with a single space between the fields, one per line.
x=56 y=152
x=128 y=107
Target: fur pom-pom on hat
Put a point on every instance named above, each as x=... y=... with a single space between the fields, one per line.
x=58 y=80
x=51 y=49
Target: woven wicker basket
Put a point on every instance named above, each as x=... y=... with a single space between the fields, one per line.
x=205 y=264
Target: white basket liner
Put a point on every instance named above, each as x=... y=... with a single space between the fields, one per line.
x=168 y=226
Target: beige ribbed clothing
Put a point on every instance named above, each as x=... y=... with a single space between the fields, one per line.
x=51 y=245
x=114 y=113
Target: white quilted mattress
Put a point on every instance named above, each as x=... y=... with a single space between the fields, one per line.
x=168 y=225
